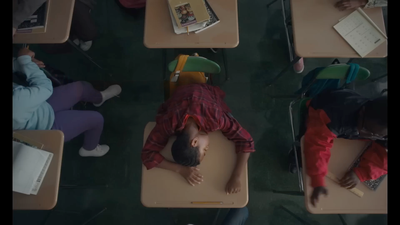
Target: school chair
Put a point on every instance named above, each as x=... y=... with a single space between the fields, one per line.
x=334 y=72
x=187 y=69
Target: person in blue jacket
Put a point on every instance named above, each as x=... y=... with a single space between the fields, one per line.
x=38 y=106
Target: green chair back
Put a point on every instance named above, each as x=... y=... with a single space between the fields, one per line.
x=339 y=71
x=197 y=64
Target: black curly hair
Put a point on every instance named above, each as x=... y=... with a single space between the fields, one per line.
x=183 y=153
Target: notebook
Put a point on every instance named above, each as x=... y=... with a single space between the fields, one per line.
x=36 y=22
x=188 y=12
x=193 y=27
x=360 y=32
x=213 y=18
x=29 y=168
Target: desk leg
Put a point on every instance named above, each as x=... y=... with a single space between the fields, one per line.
x=164 y=65
x=216 y=217
x=294 y=61
x=225 y=65
x=341 y=219
x=87 y=56
x=295 y=216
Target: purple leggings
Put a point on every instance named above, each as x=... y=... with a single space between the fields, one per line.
x=74 y=122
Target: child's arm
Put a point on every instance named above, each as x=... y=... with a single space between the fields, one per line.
x=353 y=4
x=151 y=156
x=40 y=87
x=373 y=163
x=244 y=146
x=318 y=140
x=375 y=3
x=155 y=142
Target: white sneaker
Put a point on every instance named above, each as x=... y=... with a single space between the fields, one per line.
x=110 y=92
x=99 y=151
x=76 y=41
x=85 y=45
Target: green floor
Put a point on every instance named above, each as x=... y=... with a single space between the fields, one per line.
x=113 y=181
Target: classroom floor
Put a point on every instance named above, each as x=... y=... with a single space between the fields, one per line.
x=91 y=184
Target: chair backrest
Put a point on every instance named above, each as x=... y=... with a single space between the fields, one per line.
x=339 y=71
x=197 y=64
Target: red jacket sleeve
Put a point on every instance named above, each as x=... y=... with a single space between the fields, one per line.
x=318 y=141
x=373 y=163
x=234 y=132
x=155 y=142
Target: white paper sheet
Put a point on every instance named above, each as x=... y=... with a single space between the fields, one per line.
x=360 y=32
x=28 y=163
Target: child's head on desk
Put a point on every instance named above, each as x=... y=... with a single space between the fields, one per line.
x=190 y=147
x=372 y=120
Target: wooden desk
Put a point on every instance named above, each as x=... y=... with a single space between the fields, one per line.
x=340 y=200
x=165 y=189
x=58 y=25
x=314 y=35
x=46 y=198
x=159 y=32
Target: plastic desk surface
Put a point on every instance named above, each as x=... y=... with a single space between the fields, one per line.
x=165 y=189
x=46 y=199
x=315 y=37
x=59 y=17
x=159 y=32
x=340 y=200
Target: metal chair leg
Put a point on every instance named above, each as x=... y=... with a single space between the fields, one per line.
x=295 y=216
x=380 y=77
x=269 y=4
x=296 y=59
x=87 y=56
x=299 y=173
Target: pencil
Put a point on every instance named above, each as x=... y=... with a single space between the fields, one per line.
x=187 y=29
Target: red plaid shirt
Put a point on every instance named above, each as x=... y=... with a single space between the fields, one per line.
x=204 y=103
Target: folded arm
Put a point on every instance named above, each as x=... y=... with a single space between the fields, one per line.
x=318 y=140
x=39 y=90
x=244 y=143
x=373 y=163
x=375 y=3
x=155 y=142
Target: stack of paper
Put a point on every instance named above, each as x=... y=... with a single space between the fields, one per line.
x=362 y=34
x=29 y=168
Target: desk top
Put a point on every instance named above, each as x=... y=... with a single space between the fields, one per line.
x=58 y=25
x=315 y=37
x=340 y=200
x=159 y=32
x=165 y=189
x=46 y=199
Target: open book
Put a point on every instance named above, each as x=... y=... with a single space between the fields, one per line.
x=29 y=168
x=362 y=34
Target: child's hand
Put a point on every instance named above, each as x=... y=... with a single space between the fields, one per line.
x=233 y=185
x=25 y=51
x=316 y=193
x=191 y=174
x=350 y=180
x=38 y=62
x=350 y=4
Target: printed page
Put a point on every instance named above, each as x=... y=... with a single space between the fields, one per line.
x=362 y=36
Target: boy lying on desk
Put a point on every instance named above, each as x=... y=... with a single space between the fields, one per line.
x=344 y=114
x=353 y=4
x=192 y=112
